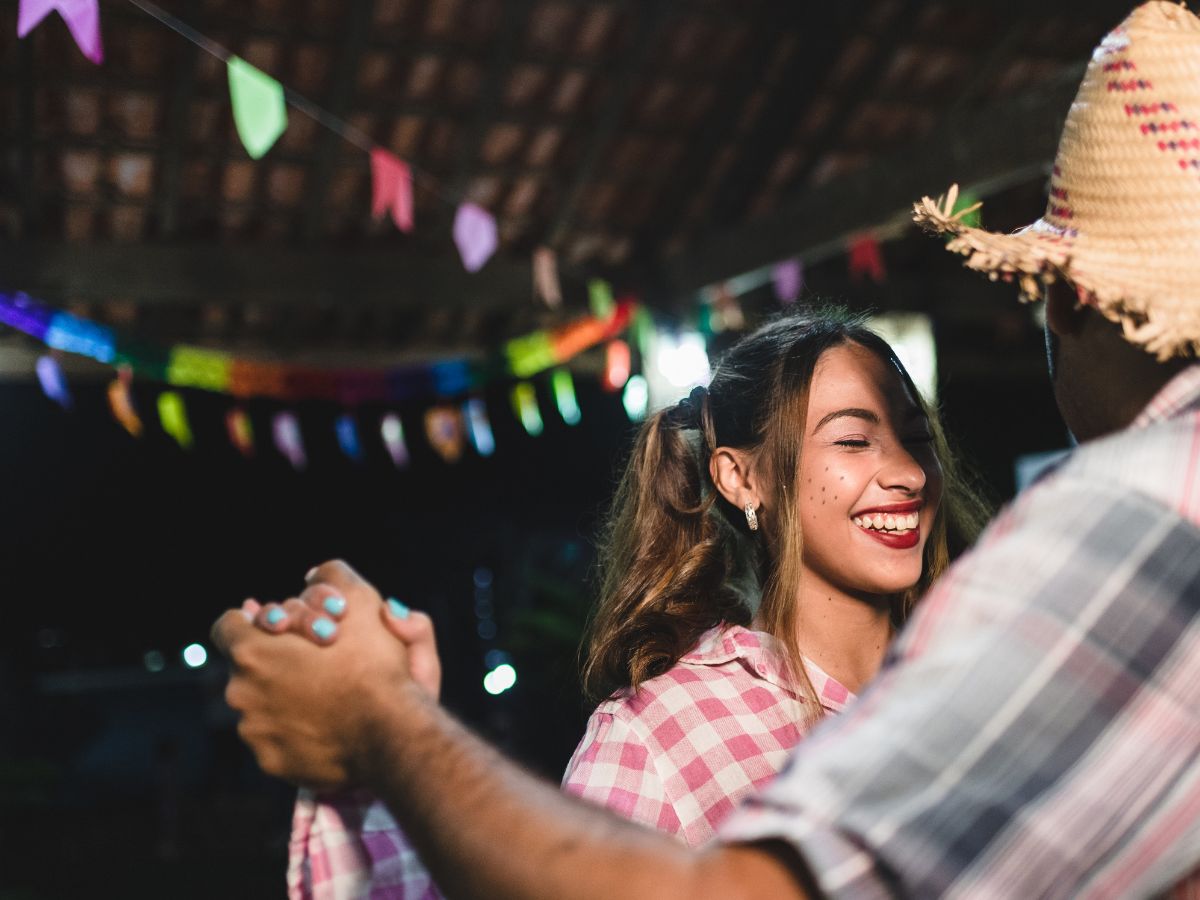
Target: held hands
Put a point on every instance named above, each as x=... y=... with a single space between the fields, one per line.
x=314 y=714
x=315 y=615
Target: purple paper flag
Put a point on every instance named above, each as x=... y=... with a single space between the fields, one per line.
x=54 y=383
x=82 y=18
x=475 y=234
x=788 y=277
x=286 y=429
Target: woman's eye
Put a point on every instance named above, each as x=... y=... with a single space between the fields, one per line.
x=852 y=442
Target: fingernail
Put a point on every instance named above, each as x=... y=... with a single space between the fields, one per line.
x=335 y=606
x=275 y=616
x=308 y=576
x=397 y=609
x=324 y=629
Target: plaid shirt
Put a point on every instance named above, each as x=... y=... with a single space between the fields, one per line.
x=1036 y=729
x=678 y=755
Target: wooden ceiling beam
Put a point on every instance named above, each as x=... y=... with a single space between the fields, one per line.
x=988 y=150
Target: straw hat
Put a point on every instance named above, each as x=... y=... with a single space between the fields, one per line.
x=1123 y=219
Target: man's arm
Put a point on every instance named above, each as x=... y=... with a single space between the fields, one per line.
x=350 y=713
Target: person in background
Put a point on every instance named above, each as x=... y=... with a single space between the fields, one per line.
x=769 y=536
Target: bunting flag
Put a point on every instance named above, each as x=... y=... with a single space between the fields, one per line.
x=618 y=363
x=120 y=402
x=600 y=298
x=564 y=396
x=392 y=432
x=788 y=279
x=259 y=107
x=391 y=189
x=241 y=431
x=478 y=427
x=475 y=234
x=285 y=428
x=545 y=277
x=636 y=398
x=53 y=382
x=347 y=435
x=444 y=428
x=173 y=416
x=525 y=405
x=82 y=18
x=866 y=259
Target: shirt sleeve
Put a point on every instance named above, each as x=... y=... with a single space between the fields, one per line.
x=1034 y=731
x=612 y=767
x=348 y=847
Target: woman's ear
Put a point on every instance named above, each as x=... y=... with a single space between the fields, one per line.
x=731 y=474
x=1065 y=309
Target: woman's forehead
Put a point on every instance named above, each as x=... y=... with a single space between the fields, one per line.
x=850 y=375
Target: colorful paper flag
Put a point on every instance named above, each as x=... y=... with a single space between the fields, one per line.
x=478 y=427
x=241 y=431
x=564 y=396
x=545 y=277
x=866 y=259
x=636 y=398
x=259 y=107
x=475 y=234
x=600 y=298
x=347 y=435
x=54 y=383
x=120 y=402
x=788 y=278
x=82 y=18
x=173 y=416
x=525 y=405
x=392 y=431
x=285 y=428
x=391 y=189
x=444 y=428
x=618 y=363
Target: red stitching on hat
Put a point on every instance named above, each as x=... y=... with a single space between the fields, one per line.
x=1063 y=212
x=1193 y=144
x=1120 y=64
x=1156 y=127
x=1058 y=193
x=1146 y=109
x=1138 y=84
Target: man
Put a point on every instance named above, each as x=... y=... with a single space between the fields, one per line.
x=1036 y=730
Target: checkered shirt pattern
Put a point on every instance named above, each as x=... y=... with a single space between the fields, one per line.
x=1035 y=731
x=682 y=751
x=677 y=755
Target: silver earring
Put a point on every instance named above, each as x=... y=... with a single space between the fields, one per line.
x=751 y=517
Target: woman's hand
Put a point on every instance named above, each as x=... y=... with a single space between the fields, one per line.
x=315 y=615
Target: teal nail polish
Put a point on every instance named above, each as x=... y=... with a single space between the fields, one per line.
x=397 y=609
x=275 y=616
x=324 y=629
x=335 y=606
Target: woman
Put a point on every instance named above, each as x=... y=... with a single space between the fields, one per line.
x=770 y=534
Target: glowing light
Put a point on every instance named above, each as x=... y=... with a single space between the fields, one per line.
x=500 y=679
x=154 y=661
x=524 y=400
x=636 y=398
x=618 y=363
x=393 y=439
x=682 y=359
x=564 y=396
x=478 y=427
x=194 y=656
x=911 y=336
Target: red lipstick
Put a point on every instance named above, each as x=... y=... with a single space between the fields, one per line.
x=905 y=541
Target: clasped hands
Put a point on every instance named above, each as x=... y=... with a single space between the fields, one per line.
x=316 y=678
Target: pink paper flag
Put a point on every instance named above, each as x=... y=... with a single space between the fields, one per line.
x=391 y=188
x=82 y=18
x=286 y=429
x=475 y=234
x=867 y=259
x=788 y=277
x=545 y=277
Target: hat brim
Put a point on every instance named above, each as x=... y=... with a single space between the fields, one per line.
x=1120 y=288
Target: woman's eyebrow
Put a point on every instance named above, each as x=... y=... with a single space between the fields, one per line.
x=853 y=412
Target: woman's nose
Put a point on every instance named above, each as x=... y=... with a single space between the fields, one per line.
x=902 y=471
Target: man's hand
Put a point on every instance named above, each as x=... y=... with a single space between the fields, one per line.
x=315 y=614
x=311 y=713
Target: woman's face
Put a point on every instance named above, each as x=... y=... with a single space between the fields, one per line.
x=870 y=481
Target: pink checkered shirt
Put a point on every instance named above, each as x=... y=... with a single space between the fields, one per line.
x=678 y=755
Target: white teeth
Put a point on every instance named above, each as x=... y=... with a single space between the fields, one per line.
x=877 y=521
x=888 y=522
x=911 y=520
x=858 y=521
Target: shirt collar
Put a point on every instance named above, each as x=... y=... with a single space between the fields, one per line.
x=763 y=655
x=1175 y=396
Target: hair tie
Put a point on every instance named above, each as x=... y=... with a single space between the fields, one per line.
x=688 y=413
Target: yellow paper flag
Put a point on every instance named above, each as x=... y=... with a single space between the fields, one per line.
x=173 y=415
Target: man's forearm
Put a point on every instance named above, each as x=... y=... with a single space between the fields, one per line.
x=487 y=829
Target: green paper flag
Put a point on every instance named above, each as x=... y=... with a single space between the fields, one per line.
x=173 y=415
x=259 y=110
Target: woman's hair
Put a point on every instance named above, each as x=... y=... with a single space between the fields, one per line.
x=678 y=559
